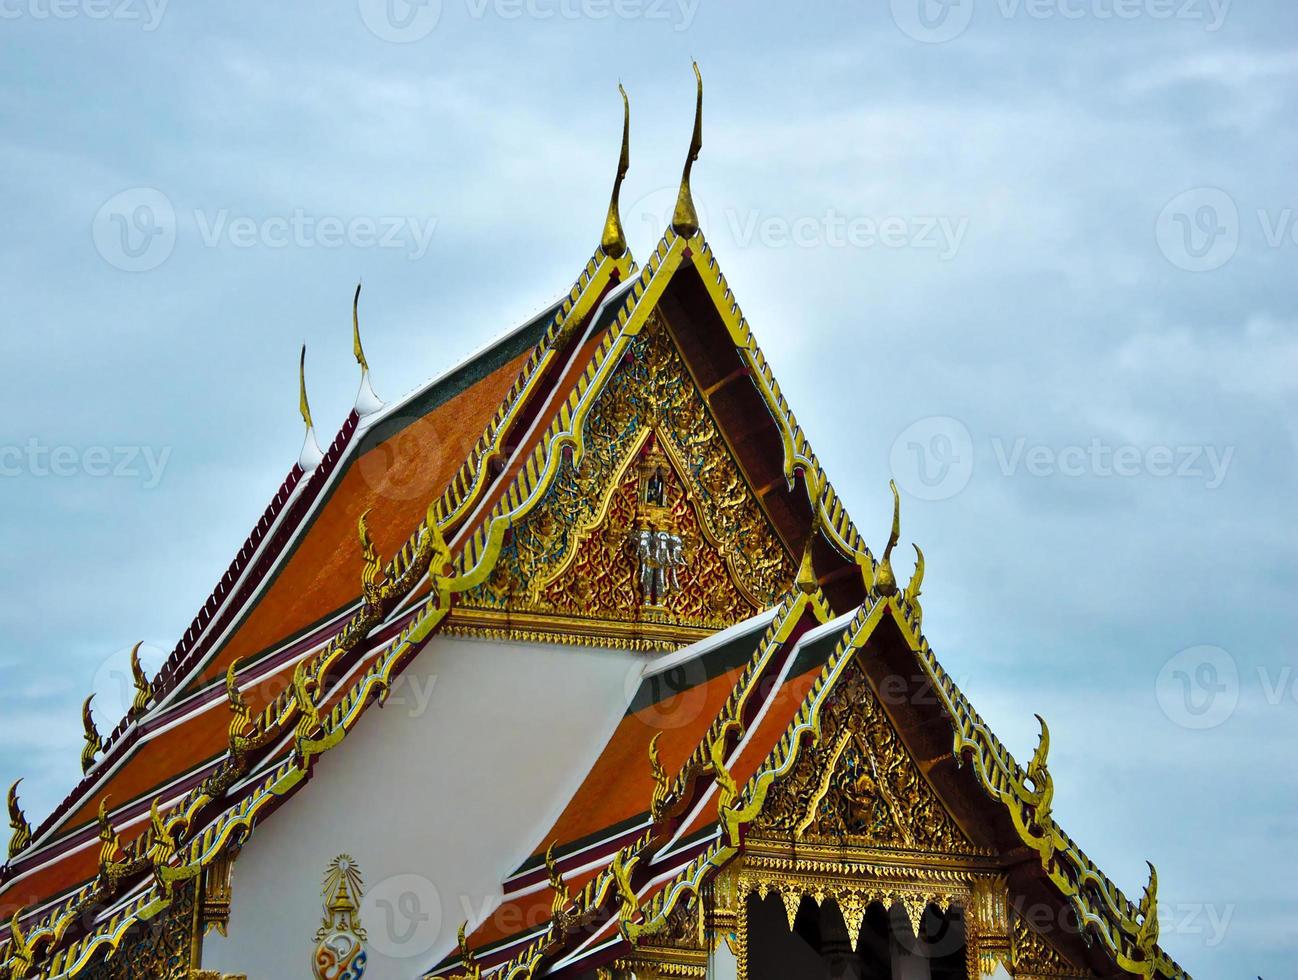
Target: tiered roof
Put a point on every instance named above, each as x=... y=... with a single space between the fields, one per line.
x=309 y=627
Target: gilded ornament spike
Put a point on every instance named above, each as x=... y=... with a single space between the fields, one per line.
x=613 y=243
x=1147 y=936
x=163 y=848
x=303 y=405
x=630 y=907
x=373 y=565
x=143 y=689
x=472 y=971
x=658 y=804
x=93 y=742
x=110 y=843
x=885 y=582
x=21 y=954
x=1043 y=783
x=357 y=349
x=562 y=897
x=242 y=719
x=685 y=220
x=304 y=687
x=22 y=831
x=727 y=789
x=912 y=588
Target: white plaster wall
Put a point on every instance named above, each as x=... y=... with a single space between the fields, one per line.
x=438 y=796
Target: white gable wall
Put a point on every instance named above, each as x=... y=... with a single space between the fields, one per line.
x=437 y=796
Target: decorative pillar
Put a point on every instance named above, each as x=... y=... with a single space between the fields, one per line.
x=989 y=927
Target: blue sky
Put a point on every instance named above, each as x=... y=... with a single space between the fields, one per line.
x=1032 y=258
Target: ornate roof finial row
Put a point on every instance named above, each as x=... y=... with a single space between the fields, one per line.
x=685 y=220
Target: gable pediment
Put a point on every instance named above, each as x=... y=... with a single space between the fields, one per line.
x=649 y=535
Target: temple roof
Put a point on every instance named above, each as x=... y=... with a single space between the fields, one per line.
x=309 y=627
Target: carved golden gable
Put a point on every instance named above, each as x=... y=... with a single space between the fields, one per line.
x=859 y=786
x=651 y=538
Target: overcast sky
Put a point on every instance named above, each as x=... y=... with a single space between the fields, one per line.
x=1035 y=259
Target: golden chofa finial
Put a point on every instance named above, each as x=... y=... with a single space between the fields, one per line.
x=367 y=403
x=93 y=742
x=613 y=244
x=1147 y=936
x=685 y=220
x=885 y=582
x=143 y=689
x=311 y=454
x=22 y=830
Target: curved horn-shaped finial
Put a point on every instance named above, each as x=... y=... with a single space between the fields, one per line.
x=884 y=579
x=311 y=454
x=22 y=830
x=473 y=970
x=357 y=349
x=685 y=220
x=367 y=402
x=1147 y=937
x=613 y=241
x=143 y=689
x=913 y=586
x=303 y=405
x=93 y=742
x=560 y=888
x=662 y=785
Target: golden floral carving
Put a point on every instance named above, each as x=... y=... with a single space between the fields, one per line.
x=859 y=784
x=571 y=558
